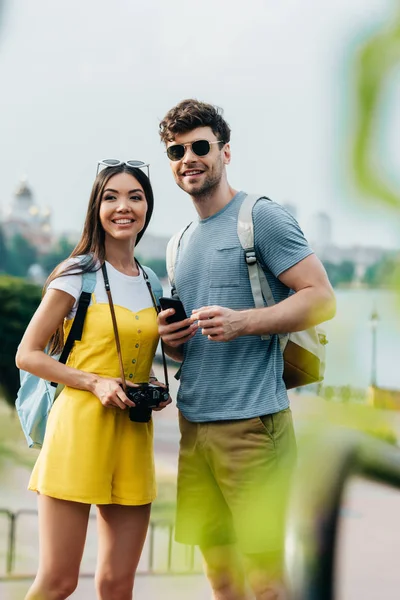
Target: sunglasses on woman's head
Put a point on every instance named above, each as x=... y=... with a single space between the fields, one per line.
x=199 y=147
x=114 y=162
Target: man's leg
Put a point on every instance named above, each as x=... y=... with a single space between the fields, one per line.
x=203 y=518
x=253 y=462
x=224 y=569
x=265 y=576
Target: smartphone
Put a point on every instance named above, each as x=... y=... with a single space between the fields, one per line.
x=177 y=305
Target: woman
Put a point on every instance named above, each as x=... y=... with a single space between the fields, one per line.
x=92 y=453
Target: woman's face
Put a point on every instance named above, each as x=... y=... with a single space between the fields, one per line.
x=123 y=207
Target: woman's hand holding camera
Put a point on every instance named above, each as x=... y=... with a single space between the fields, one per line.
x=154 y=381
x=110 y=392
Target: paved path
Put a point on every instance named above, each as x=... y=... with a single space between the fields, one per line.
x=192 y=587
x=368 y=565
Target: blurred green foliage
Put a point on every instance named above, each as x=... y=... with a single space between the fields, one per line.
x=158 y=265
x=374 y=64
x=18 y=254
x=385 y=273
x=163 y=508
x=18 y=302
x=343 y=393
x=340 y=274
x=339 y=407
x=3 y=252
x=13 y=446
x=60 y=251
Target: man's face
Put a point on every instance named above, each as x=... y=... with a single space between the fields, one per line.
x=198 y=175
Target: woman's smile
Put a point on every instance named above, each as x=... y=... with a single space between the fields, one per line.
x=123 y=207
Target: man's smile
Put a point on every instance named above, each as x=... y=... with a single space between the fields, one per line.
x=192 y=173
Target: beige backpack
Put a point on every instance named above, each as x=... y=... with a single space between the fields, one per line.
x=303 y=351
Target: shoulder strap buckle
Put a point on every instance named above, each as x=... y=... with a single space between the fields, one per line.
x=250 y=256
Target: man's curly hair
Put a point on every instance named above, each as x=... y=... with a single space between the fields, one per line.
x=190 y=114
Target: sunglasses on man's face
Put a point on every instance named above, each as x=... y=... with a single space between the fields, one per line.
x=114 y=162
x=199 y=147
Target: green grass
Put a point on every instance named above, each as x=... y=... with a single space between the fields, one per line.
x=163 y=508
x=13 y=447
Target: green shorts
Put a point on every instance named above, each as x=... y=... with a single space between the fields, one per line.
x=232 y=482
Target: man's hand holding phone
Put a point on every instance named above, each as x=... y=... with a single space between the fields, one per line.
x=174 y=327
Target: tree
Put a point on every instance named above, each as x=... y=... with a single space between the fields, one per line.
x=20 y=256
x=3 y=252
x=156 y=264
x=342 y=273
x=57 y=254
x=18 y=302
x=384 y=273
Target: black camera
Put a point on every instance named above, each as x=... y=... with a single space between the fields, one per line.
x=146 y=397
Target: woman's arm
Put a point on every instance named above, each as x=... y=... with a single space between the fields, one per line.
x=54 y=307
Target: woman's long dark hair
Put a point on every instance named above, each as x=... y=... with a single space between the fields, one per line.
x=91 y=243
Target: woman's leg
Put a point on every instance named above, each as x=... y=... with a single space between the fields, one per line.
x=62 y=534
x=122 y=532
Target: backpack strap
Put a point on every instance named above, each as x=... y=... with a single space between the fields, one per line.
x=155 y=283
x=75 y=333
x=172 y=253
x=260 y=288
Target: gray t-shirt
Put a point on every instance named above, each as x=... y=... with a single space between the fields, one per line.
x=241 y=378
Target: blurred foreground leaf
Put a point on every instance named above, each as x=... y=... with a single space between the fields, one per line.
x=375 y=63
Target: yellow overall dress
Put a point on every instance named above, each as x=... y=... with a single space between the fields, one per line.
x=94 y=454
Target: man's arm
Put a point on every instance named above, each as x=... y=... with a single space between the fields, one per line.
x=313 y=303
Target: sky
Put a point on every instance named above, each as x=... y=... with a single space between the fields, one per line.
x=86 y=80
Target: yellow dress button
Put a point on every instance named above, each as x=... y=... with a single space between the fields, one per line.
x=136 y=345
x=133 y=360
x=130 y=375
x=137 y=317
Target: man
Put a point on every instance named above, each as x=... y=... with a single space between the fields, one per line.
x=237 y=438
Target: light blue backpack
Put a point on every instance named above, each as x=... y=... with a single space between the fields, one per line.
x=36 y=396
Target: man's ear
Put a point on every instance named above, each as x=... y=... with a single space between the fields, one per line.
x=227 y=154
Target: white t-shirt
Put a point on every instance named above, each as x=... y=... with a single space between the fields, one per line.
x=128 y=291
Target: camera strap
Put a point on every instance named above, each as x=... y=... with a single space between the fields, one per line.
x=114 y=322
x=157 y=309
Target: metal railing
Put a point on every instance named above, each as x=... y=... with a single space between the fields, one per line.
x=315 y=502
x=313 y=516
x=188 y=564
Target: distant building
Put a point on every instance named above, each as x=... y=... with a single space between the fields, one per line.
x=320 y=231
x=320 y=234
x=362 y=256
x=24 y=217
